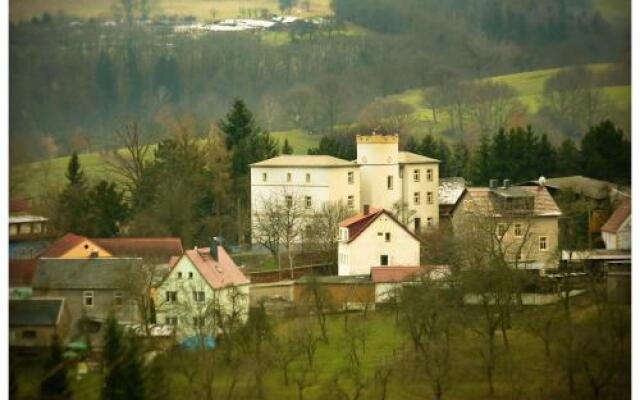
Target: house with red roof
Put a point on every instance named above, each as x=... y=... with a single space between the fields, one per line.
x=616 y=232
x=202 y=283
x=375 y=237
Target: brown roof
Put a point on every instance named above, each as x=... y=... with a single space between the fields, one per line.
x=359 y=222
x=218 y=274
x=544 y=205
x=618 y=217
x=21 y=272
x=387 y=274
x=589 y=187
x=62 y=245
x=160 y=248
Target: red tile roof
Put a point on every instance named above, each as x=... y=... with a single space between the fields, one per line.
x=62 y=245
x=218 y=274
x=159 y=248
x=618 y=217
x=359 y=222
x=21 y=272
x=388 y=274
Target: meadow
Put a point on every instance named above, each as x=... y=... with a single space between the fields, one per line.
x=202 y=10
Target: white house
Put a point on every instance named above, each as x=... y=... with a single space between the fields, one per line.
x=199 y=282
x=381 y=175
x=375 y=238
x=616 y=232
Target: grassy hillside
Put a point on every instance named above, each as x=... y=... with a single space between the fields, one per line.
x=528 y=85
x=43 y=175
x=201 y=9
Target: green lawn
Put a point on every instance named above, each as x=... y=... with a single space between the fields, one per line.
x=534 y=376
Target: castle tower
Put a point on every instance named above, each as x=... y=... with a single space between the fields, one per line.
x=380 y=183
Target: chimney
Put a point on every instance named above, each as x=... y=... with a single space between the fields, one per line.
x=506 y=183
x=493 y=183
x=365 y=209
x=213 y=247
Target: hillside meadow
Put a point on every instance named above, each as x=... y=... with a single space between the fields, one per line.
x=202 y=10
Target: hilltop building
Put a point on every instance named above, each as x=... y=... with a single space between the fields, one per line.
x=381 y=176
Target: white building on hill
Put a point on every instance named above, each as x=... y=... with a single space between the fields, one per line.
x=381 y=176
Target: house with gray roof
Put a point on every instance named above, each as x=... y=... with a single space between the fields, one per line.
x=92 y=288
x=34 y=322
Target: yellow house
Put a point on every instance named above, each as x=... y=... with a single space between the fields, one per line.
x=74 y=246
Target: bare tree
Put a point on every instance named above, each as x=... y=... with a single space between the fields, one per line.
x=317 y=298
x=325 y=233
x=492 y=105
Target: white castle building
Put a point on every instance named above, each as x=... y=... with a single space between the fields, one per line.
x=381 y=177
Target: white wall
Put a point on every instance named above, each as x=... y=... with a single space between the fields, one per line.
x=424 y=211
x=620 y=240
x=365 y=251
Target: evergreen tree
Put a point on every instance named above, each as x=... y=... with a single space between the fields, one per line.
x=75 y=174
x=286 y=148
x=546 y=157
x=54 y=386
x=428 y=146
x=606 y=153
x=335 y=146
x=459 y=159
x=107 y=209
x=113 y=361
x=568 y=159
x=134 y=384
x=73 y=204
x=411 y=145
x=499 y=165
x=481 y=162
x=106 y=80
x=238 y=124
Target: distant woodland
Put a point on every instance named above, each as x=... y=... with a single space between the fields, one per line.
x=74 y=82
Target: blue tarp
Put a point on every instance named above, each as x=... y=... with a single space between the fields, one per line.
x=198 y=342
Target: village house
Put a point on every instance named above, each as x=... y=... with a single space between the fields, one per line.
x=524 y=218
x=34 y=322
x=72 y=246
x=28 y=233
x=381 y=175
x=93 y=288
x=450 y=194
x=616 y=232
x=375 y=238
x=201 y=283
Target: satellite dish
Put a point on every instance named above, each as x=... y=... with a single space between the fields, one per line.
x=542 y=180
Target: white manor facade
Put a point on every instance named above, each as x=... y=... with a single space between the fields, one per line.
x=380 y=177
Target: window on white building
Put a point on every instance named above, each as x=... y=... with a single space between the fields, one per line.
x=390 y=182
x=264 y=177
x=387 y=237
x=179 y=275
x=430 y=175
x=543 y=243
x=416 y=175
x=190 y=275
x=307 y=178
x=288 y=176
x=517 y=230
x=171 y=296
x=350 y=177
x=350 y=201
x=289 y=201
x=87 y=298
x=429 y=197
x=416 y=198
x=384 y=259
x=307 y=201
x=198 y=296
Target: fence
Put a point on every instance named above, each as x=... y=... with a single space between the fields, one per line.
x=286 y=273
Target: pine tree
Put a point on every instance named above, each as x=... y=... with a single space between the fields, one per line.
x=411 y=145
x=428 y=146
x=55 y=386
x=134 y=384
x=286 y=148
x=568 y=160
x=606 y=153
x=546 y=157
x=460 y=159
x=444 y=155
x=73 y=204
x=74 y=173
x=500 y=167
x=107 y=209
x=238 y=124
x=481 y=162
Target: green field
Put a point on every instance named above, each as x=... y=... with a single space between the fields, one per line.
x=39 y=177
x=201 y=9
x=534 y=376
x=529 y=87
